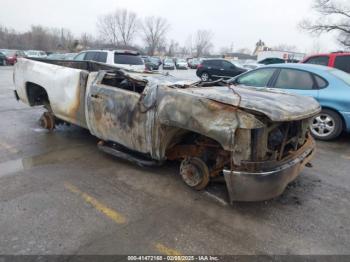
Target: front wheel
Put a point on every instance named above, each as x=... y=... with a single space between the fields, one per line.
x=47 y=121
x=195 y=173
x=326 y=125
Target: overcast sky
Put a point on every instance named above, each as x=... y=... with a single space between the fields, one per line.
x=241 y=22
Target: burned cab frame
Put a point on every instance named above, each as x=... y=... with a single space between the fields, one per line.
x=258 y=140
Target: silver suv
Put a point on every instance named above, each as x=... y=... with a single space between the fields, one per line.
x=122 y=58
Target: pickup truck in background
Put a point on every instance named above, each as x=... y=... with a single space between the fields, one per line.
x=339 y=60
x=257 y=140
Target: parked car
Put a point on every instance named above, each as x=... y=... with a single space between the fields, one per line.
x=181 y=63
x=271 y=60
x=3 y=61
x=56 y=56
x=329 y=86
x=12 y=55
x=339 y=60
x=122 y=58
x=157 y=58
x=150 y=63
x=69 y=56
x=211 y=69
x=256 y=140
x=35 y=54
x=168 y=63
x=193 y=63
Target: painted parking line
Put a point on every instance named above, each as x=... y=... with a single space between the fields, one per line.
x=8 y=147
x=115 y=216
x=108 y=212
x=166 y=250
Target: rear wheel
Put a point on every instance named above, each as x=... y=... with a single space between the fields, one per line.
x=205 y=77
x=195 y=173
x=327 y=125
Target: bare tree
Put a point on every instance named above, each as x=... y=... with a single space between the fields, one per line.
x=86 y=40
x=203 y=43
x=189 y=45
x=173 y=48
x=127 y=25
x=38 y=37
x=107 y=28
x=334 y=17
x=154 y=30
x=118 y=28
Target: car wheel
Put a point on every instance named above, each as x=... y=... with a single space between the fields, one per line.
x=326 y=125
x=205 y=77
x=195 y=173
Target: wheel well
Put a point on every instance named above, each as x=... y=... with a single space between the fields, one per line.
x=36 y=94
x=191 y=144
x=340 y=115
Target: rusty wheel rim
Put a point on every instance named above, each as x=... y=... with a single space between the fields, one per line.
x=194 y=173
x=47 y=121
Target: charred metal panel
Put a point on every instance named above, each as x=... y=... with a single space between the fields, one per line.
x=276 y=105
x=115 y=115
x=213 y=119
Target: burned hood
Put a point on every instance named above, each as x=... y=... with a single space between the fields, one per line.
x=276 y=105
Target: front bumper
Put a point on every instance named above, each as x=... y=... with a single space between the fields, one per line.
x=267 y=184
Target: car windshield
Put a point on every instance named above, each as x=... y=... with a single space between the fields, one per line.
x=69 y=56
x=153 y=60
x=181 y=61
x=168 y=61
x=341 y=75
x=127 y=59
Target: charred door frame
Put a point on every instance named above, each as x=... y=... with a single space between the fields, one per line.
x=113 y=114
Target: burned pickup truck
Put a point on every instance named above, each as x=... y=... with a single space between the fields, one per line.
x=257 y=141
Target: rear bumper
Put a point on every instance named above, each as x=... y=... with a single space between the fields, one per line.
x=267 y=184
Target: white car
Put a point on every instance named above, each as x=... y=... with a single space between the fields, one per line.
x=122 y=58
x=181 y=64
x=35 y=54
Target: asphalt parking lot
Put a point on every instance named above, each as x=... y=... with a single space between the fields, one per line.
x=60 y=195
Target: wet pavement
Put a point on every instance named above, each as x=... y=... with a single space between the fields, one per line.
x=60 y=195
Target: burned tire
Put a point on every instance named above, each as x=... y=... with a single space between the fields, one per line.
x=195 y=173
x=326 y=125
x=47 y=121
